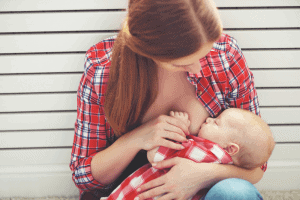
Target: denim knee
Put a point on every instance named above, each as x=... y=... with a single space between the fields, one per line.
x=233 y=188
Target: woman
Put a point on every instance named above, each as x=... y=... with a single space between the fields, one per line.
x=170 y=55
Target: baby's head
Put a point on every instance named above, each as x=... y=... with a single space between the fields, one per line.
x=244 y=135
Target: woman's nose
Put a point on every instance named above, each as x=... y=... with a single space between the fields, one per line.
x=195 y=68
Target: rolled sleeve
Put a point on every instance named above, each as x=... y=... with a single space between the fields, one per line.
x=91 y=128
x=82 y=175
x=243 y=93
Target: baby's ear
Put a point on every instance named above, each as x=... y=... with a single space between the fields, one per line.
x=232 y=149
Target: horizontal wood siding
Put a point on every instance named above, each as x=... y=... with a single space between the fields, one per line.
x=69 y=5
x=67 y=101
x=79 y=42
x=42 y=48
x=73 y=62
x=96 y=21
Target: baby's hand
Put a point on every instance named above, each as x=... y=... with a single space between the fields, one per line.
x=182 y=116
x=179 y=115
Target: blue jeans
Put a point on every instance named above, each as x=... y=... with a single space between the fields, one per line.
x=231 y=189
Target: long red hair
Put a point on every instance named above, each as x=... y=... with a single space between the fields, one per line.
x=154 y=29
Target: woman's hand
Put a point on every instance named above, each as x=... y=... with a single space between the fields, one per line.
x=162 y=131
x=183 y=181
x=151 y=154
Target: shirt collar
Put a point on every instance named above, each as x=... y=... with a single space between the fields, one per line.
x=205 y=69
x=218 y=47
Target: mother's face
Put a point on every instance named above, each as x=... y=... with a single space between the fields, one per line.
x=188 y=63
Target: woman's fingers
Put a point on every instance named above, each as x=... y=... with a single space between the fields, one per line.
x=175 y=129
x=151 y=184
x=152 y=189
x=174 y=136
x=179 y=123
x=167 y=196
x=166 y=163
x=159 y=132
x=151 y=193
x=172 y=145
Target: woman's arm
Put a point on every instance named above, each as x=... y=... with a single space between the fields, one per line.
x=157 y=132
x=92 y=155
x=182 y=183
x=231 y=171
x=113 y=160
x=242 y=93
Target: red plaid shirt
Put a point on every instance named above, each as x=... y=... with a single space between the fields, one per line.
x=224 y=81
x=196 y=149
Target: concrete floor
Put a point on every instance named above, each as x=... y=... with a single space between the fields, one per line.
x=267 y=195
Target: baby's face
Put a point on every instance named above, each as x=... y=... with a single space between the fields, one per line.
x=220 y=129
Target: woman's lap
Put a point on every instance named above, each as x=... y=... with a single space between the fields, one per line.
x=228 y=189
x=231 y=189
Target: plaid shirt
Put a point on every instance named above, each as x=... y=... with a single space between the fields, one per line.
x=196 y=149
x=224 y=81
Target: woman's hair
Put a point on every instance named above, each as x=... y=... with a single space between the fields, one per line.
x=154 y=29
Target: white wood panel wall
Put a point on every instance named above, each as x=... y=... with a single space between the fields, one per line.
x=42 y=47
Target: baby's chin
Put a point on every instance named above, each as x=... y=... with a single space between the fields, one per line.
x=199 y=134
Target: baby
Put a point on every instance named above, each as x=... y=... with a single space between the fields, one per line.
x=242 y=134
x=236 y=137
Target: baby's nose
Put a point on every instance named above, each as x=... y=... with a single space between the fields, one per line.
x=208 y=120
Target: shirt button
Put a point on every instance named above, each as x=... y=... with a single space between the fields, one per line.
x=199 y=92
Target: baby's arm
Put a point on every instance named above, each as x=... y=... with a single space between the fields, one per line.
x=179 y=115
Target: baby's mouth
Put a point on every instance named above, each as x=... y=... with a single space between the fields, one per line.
x=201 y=126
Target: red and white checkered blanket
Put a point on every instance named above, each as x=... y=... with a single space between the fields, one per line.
x=196 y=149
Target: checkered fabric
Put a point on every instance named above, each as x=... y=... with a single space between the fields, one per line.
x=196 y=149
x=224 y=81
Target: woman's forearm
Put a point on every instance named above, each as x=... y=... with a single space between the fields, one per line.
x=107 y=165
x=224 y=171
